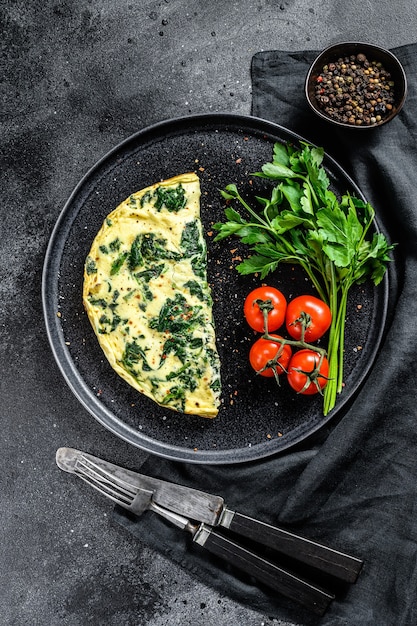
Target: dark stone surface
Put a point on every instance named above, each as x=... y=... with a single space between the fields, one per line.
x=78 y=77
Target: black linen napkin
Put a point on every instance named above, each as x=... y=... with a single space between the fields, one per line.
x=355 y=486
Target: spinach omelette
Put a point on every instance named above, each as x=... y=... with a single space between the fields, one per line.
x=147 y=297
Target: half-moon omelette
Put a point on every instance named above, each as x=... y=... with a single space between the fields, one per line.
x=147 y=297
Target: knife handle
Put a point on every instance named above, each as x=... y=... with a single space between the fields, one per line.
x=327 y=560
x=288 y=584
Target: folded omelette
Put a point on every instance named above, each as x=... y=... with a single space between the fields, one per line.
x=147 y=297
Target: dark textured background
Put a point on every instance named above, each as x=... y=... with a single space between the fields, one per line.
x=78 y=78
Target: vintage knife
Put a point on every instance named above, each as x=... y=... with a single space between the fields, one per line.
x=211 y=509
x=137 y=500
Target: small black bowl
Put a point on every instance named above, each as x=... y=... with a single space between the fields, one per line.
x=354 y=85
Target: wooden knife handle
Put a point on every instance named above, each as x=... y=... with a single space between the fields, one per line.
x=313 y=597
x=327 y=560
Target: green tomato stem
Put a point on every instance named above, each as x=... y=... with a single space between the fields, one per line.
x=297 y=343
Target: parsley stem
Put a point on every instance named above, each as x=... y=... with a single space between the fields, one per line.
x=255 y=215
x=336 y=347
x=330 y=391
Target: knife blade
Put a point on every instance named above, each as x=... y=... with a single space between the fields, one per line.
x=191 y=503
x=212 y=510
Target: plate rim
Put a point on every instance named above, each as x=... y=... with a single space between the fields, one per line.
x=75 y=381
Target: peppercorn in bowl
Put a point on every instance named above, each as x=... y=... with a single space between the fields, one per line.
x=356 y=85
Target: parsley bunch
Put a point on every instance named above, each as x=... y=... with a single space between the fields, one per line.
x=302 y=222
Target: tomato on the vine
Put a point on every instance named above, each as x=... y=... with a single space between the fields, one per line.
x=303 y=373
x=274 y=302
x=310 y=312
x=264 y=352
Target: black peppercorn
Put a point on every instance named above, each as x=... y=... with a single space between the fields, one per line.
x=351 y=85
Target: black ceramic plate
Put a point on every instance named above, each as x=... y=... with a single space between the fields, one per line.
x=257 y=418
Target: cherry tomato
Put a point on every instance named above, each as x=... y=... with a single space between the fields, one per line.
x=264 y=350
x=277 y=305
x=312 y=312
x=303 y=368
